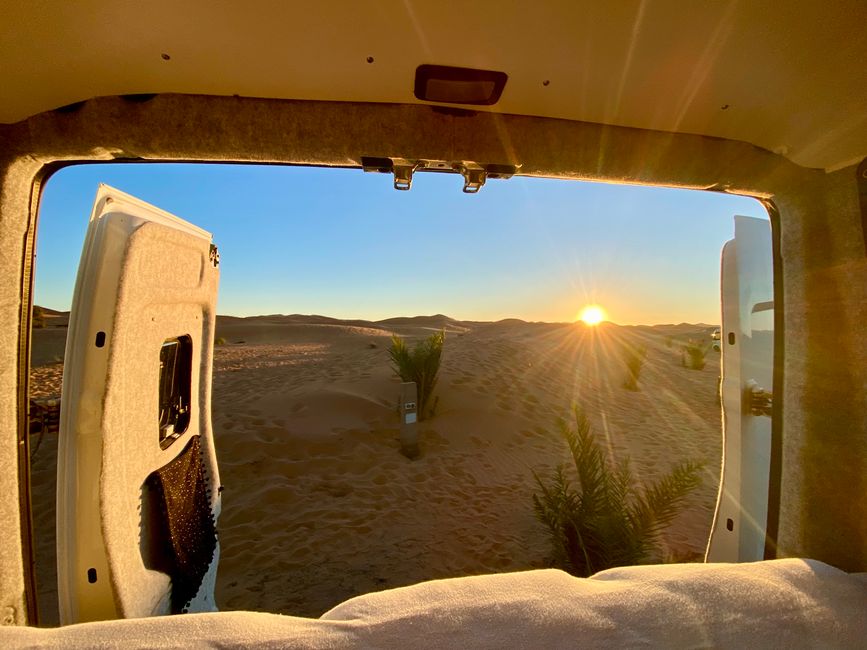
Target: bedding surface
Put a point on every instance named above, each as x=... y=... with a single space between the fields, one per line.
x=774 y=604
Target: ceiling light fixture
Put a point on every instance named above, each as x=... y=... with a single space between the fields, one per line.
x=440 y=83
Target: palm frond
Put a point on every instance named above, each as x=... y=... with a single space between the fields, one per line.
x=658 y=505
x=420 y=365
x=605 y=520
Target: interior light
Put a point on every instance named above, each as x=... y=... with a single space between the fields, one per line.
x=440 y=83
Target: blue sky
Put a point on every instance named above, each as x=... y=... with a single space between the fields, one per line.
x=343 y=243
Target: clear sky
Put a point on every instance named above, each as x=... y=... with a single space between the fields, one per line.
x=343 y=243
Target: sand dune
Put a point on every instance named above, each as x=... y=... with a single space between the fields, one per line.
x=319 y=505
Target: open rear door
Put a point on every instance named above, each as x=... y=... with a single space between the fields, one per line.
x=747 y=342
x=137 y=489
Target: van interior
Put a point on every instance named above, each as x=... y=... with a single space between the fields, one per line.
x=747 y=99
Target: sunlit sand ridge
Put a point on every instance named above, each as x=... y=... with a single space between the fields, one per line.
x=319 y=505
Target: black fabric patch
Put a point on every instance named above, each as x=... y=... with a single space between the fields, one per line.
x=182 y=534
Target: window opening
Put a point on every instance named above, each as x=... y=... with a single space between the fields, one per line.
x=176 y=358
x=306 y=407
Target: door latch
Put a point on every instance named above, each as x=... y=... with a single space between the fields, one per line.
x=475 y=174
x=403 y=171
x=760 y=400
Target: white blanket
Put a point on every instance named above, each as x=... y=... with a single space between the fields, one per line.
x=776 y=604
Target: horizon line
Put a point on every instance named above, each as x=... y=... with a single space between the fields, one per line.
x=441 y=315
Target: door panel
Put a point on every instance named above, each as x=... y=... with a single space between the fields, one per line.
x=146 y=278
x=747 y=342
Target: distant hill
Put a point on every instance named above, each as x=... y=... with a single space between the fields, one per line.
x=293 y=319
x=54 y=318
x=437 y=321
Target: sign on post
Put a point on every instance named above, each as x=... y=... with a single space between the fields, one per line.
x=408 y=419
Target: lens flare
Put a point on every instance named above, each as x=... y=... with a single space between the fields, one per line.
x=592 y=315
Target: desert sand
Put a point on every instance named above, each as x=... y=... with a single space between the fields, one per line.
x=319 y=504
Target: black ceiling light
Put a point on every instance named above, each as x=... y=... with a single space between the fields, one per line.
x=441 y=83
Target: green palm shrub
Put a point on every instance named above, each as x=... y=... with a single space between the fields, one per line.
x=605 y=519
x=693 y=355
x=633 y=357
x=421 y=365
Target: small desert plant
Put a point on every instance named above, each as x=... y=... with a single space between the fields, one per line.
x=693 y=355
x=633 y=357
x=219 y=341
x=433 y=409
x=38 y=317
x=606 y=519
x=421 y=365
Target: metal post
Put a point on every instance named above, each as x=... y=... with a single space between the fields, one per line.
x=408 y=419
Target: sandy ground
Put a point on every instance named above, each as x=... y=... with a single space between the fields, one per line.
x=319 y=505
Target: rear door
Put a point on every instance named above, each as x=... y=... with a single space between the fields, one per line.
x=747 y=343
x=138 y=487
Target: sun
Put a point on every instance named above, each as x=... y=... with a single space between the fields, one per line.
x=592 y=315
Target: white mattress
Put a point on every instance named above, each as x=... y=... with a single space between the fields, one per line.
x=777 y=604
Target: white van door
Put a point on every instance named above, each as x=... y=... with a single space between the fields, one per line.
x=747 y=342
x=137 y=482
